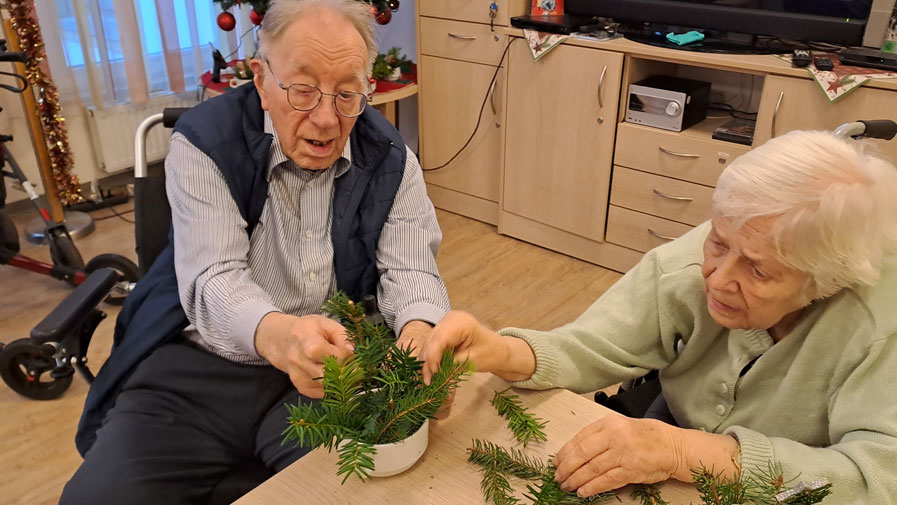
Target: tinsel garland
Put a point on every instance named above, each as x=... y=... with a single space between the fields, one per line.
x=24 y=22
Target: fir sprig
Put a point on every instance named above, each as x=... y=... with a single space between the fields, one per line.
x=499 y=464
x=762 y=488
x=648 y=494
x=524 y=425
x=549 y=492
x=376 y=396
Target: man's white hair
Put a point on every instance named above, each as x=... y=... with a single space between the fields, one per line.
x=282 y=13
x=834 y=200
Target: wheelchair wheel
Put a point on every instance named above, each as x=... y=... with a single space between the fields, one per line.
x=128 y=272
x=27 y=371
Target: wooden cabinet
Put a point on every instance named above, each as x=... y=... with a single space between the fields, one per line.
x=447 y=124
x=560 y=137
x=460 y=87
x=554 y=163
x=790 y=103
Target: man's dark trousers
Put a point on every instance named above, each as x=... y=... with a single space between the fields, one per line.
x=215 y=415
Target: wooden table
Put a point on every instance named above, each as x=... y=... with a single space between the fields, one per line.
x=443 y=475
x=386 y=102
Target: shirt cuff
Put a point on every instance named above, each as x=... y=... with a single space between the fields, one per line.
x=547 y=361
x=756 y=450
x=419 y=312
x=250 y=315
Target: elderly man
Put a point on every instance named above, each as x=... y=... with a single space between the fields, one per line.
x=773 y=327
x=281 y=192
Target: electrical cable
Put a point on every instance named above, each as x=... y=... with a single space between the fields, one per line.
x=482 y=108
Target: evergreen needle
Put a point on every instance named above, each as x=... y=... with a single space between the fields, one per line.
x=524 y=425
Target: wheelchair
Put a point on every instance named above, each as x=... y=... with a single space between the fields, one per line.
x=636 y=397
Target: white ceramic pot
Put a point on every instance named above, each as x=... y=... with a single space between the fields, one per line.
x=397 y=457
x=395 y=75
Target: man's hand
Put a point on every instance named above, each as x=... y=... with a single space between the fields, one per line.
x=414 y=334
x=298 y=346
x=615 y=451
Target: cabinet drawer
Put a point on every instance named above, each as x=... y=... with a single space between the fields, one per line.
x=661 y=196
x=472 y=10
x=640 y=231
x=460 y=41
x=674 y=154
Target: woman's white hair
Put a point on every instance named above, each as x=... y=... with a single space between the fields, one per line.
x=833 y=199
x=282 y=13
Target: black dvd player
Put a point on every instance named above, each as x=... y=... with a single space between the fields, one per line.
x=563 y=24
x=865 y=57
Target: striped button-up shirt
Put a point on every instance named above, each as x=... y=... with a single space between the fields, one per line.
x=228 y=281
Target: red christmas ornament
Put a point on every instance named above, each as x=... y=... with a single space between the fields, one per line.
x=393 y=5
x=384 y=17
x=226 y=21
x=374 y=10
x=255 y=17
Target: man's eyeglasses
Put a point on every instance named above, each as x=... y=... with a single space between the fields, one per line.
x=305 y=97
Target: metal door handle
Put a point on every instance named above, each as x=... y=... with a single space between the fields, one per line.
x=462 y=37
x=661 y=237
x=671 y=197
x=601 y=88
x=680 y=155
x=775 y=113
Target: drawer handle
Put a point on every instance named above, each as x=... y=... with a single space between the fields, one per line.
x=680 y=155
x=601 y=88
x=775 y=113
x=462 y=37
x=661 y=237
x=492 y=98
x=671 y=197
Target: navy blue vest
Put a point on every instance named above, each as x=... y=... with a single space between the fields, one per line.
x=230 y=129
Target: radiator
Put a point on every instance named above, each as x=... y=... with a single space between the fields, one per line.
x=112 y=131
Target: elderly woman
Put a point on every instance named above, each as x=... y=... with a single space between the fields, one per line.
x=774 y=327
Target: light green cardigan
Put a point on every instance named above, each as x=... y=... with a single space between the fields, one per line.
x=822 y=401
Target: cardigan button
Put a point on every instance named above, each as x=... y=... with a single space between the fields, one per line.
x=724 y=388
x=720 y=409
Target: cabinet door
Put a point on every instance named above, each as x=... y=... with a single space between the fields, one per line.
x=801 y=106
x=452 y=94
x=560 y=136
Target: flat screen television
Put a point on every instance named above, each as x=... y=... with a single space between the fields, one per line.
x=841 y=22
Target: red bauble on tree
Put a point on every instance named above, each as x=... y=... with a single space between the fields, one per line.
x=384 y=17
x=226 y=21
x=393 y=5
x=255 y=17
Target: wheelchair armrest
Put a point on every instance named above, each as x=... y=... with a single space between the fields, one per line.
x=76 y=308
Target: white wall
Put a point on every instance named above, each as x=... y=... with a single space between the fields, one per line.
x=400 y=33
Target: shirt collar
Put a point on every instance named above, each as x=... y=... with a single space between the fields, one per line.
x=278 y=158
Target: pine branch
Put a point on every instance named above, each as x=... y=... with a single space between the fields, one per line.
x=498 y=464
x=549 y=492
x=765 y=488
x=514 y=462
x=524 y=425
x=355 y=458
x=312 y=426
x=648 y=494
x=342 y=383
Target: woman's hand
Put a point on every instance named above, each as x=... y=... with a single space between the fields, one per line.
x=459 y=332
x=616 y=450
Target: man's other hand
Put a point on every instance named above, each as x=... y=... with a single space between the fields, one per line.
x=414 y=334
x=298 y=346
